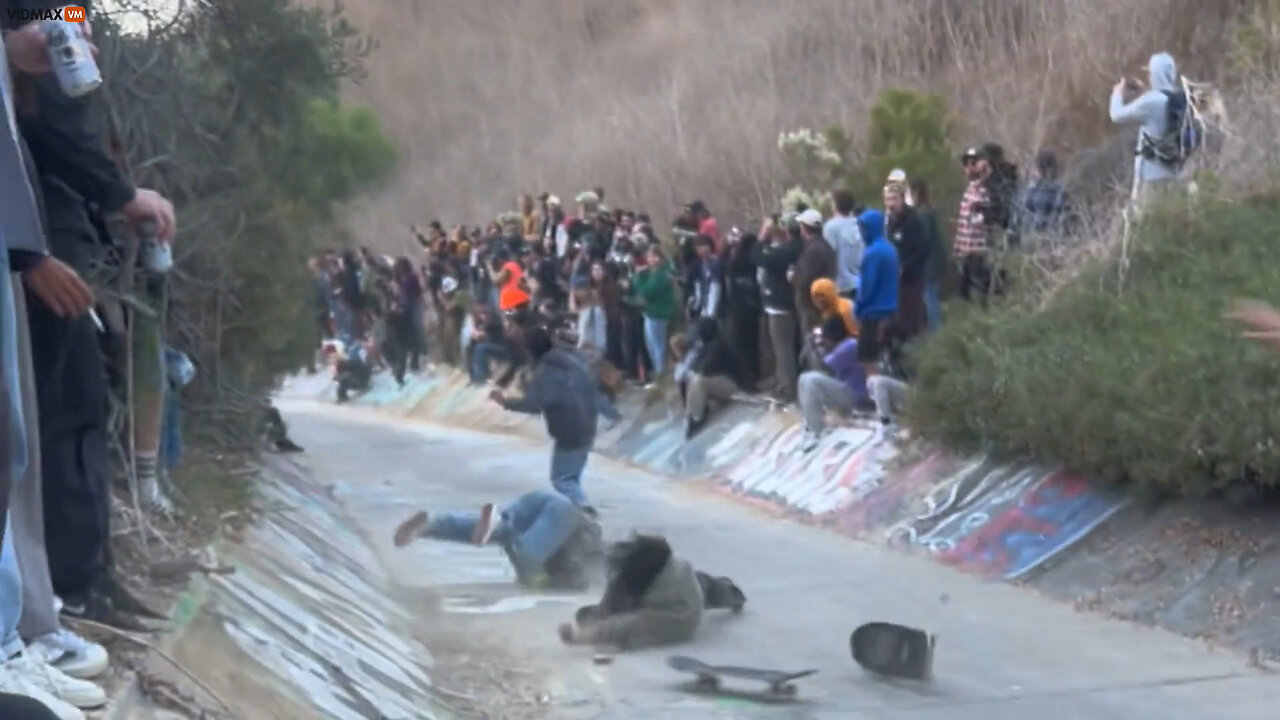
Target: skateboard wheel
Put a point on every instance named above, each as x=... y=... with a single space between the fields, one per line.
x=709 y=683
x=737 y=609
x=788 y=690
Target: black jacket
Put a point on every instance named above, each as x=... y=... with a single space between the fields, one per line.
x=81 y=183
x=563 y=391
x=775 y=290
x=910 y=234
x=817 y=261
x=716 y=358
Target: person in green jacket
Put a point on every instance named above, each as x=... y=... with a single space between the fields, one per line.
x=655 y=292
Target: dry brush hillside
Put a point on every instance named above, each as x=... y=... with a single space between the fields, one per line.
x=660 y=101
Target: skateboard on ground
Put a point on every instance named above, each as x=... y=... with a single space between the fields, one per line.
x=778 y=683
x=894 y=650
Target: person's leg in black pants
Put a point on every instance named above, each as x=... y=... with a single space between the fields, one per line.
x=20 y=707
x=745 y=332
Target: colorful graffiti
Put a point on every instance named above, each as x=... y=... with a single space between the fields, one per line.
x=842 y=468
x=1043 y=521
x=1004 y=522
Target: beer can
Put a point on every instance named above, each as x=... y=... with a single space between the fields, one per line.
x=157 y=256
x=72 y=61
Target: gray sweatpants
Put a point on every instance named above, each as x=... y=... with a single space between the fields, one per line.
x=889 y=395
x=703 y=388
x=819 y=393
x=27 y=510
x=782 y=337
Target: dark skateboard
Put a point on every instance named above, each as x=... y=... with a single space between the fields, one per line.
x=894 y=650
x=778 y=683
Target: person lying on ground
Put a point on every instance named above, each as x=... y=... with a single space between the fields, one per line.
x=706 y=373
x=841 y=387
x=564 y=391
x=652 y=598
x=551 y=542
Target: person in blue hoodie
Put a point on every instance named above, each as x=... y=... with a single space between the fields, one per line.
x=877 y=300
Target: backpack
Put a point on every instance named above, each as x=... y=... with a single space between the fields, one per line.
x=1184 y=136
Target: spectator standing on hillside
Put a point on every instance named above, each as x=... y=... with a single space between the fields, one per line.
x=910 y=236
x=936 y=267
x=707 y=225
x=653 y=287
x=706 y=282
x=530 y=220
x=877 y=301
x=817 y=260
x=1044 y=209
x=774 y=256
x=1150 y=110
x=564 y=391
x=841 y=232
x=742 y=295
x=981 y=222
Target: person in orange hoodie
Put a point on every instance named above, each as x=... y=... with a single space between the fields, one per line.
x=829 y=303
x=826 y=298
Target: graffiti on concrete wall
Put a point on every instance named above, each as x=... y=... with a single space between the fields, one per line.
x=1043 y=520
x=1003 y=521
x=844 y=466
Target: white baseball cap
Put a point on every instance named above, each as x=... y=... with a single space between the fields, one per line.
x=810 y=218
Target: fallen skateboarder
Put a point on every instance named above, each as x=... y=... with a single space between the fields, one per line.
x=551 y=542
x=653 y=598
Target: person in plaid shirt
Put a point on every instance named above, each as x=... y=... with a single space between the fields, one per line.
x=982 y=219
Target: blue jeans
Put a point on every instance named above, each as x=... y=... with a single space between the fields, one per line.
x=10 y=576
x=933 y=304
x=606 y=407
x=481 y=355
x=566 y=472
x=532 y=528
x=655 y=342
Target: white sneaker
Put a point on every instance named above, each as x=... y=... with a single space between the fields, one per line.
x=15 y=681
x=71 y=654
x=809 y=441
x=884 y=431
x=80 y=693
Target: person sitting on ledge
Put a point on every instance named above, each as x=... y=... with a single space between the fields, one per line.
x=706 y=373
x=551 y=542
x=841 y=390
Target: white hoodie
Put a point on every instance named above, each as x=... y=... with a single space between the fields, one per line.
x=1151 y=108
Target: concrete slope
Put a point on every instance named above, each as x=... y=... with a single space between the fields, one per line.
x=1003 y=652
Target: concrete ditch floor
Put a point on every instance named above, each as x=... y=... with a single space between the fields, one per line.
x=1003 y=652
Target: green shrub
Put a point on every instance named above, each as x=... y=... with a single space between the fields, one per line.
x=1140 y=381
x=907 y=130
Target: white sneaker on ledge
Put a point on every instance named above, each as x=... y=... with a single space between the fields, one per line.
x=16 y=682
x=80 y=693
x=71 y=654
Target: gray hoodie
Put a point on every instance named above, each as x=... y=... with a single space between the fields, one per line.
x=563 y=390
x=1151 y=109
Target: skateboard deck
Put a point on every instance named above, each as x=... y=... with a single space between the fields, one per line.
x=779 y=684
x=894 y=650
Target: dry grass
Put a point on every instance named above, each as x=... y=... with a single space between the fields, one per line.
x=661 y=101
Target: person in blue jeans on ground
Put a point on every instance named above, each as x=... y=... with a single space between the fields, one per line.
x=551 y=542
x=564 y=391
